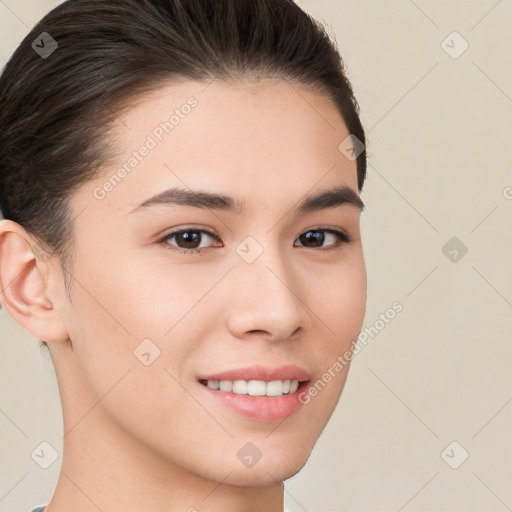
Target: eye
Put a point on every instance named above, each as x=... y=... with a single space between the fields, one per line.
x=316 y=238
x=188 y=240
x=194 y=240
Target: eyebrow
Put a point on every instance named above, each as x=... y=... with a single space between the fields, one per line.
x=330 y=198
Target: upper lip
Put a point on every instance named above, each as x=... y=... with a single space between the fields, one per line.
x=286 y=372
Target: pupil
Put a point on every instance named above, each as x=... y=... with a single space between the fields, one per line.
x=188 y=239
x=317 y=237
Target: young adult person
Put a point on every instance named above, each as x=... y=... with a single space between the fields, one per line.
x=180 y=182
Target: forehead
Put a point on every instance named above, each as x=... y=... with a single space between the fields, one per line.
x=253 y=138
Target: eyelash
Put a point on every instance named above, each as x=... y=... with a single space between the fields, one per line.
x=343 y=238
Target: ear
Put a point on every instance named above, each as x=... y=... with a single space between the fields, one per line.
x=27 y=274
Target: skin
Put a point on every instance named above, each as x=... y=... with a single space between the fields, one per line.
x=148 y=437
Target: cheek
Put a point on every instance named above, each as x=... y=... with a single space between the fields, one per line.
x=124 y=316
x=340 y=311
x=342 y=304
x=154 y=293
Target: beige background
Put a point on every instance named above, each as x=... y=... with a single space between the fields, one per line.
x=439 y=131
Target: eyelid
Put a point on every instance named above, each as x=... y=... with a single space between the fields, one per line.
x=174 y=231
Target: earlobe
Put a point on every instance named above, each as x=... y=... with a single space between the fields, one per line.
x=24 y=276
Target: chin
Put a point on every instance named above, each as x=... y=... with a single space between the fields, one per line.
x=275 y=465
x=264 y=474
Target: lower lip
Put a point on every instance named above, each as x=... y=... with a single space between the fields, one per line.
x=266 y=408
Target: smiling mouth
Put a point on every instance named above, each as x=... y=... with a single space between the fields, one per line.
x=261 y=388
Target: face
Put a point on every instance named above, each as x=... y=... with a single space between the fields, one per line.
x=203 y=266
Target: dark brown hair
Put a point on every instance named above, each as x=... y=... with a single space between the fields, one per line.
x=56 y=109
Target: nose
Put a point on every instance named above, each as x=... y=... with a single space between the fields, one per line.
x=268 y=300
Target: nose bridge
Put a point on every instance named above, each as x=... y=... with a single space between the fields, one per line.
x=267 y=296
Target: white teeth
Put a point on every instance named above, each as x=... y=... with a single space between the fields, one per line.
x=275 y=388
x=240 y=387
x=255 y=387
x=225 y=385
